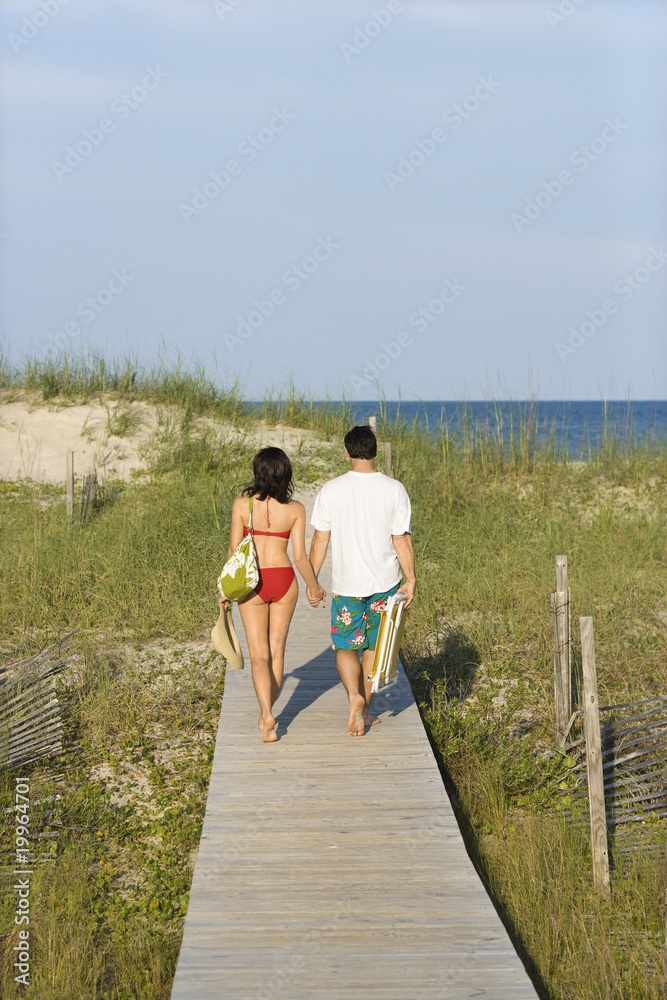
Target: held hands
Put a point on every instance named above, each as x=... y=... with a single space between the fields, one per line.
x=315 y=596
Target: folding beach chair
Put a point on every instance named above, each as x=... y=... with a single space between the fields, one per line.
x=383 y=672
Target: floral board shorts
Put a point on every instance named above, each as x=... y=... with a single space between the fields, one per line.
x=355 y=620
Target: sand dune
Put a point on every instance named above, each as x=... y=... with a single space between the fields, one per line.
x=35 y=438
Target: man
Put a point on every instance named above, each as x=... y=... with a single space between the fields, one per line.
x=367 y=517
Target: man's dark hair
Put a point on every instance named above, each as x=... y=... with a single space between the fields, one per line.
x=361 y=443
x=272 y=476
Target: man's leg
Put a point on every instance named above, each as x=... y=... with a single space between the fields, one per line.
x=349 y=671
x=366 y=667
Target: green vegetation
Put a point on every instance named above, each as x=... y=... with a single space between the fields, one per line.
x=83 y=378
x=144 y=697
x=479 y=655
x=107 y=908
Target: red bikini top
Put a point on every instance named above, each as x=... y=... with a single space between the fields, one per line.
x=249 y=530
x=275 y=534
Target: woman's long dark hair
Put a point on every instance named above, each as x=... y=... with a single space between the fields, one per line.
x=272 y=476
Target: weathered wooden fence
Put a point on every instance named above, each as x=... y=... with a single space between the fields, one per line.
x=386 y=447
x=560 y=610
x=88 y=492
x=634 y=761
x=596 y=803
x=619 y=751
x=30 y=722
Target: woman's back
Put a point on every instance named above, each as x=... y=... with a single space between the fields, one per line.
x=272 y=523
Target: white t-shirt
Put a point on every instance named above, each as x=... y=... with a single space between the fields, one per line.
x=362 y=510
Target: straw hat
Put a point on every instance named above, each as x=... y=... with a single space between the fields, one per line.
x=225 y=639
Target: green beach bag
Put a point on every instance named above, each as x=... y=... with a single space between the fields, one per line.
x=240 y=574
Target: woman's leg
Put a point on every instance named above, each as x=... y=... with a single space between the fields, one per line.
x=255 y=618
x=280 y=617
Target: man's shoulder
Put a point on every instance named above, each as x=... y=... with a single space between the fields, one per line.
x=350 y=482
x=328 y=491
x=336 y=484
x=393 y=485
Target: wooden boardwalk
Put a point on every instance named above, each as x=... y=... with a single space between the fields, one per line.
x=330 y=865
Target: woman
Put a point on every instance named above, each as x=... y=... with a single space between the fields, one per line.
x=267 y=612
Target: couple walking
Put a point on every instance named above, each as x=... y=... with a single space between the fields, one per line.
x=366 y=518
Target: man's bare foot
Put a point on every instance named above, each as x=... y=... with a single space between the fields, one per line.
x=371 y=720
x=355 y=724
x=270 y=734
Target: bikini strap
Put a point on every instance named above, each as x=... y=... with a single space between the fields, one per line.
x=250 y=519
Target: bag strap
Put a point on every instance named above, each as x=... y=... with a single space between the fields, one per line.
x=250 y=499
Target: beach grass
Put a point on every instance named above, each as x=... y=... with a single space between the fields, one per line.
x=86 y=377
x=492 y=506
x=109 y=900
x=480 y=657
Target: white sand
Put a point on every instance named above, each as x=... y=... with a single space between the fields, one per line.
x=34 y=442
x=35 y=438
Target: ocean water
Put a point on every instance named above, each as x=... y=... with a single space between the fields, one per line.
x=576 y=426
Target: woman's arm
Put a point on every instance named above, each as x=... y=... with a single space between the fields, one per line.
x=236 y=533
x=301 y=560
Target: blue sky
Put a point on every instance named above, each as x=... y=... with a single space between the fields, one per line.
x=446 y=198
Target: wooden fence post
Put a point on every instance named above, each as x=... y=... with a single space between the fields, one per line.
x=559 y=707
x=560 y=607
x=388 y=470
x=562 y=586
x=88 y=494
x=70 y=489
x=373 y=423
x=594 y=759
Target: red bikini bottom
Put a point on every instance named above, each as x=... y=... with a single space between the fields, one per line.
x=274 y=582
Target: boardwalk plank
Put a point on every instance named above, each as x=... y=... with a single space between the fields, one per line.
x=329 y=864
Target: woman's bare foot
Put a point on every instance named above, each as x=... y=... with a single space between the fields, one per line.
x=371 y=720
x=355 y=724
x=269 y=729
x=260 y=723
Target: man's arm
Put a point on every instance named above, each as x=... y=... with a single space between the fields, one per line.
x=406 y=557
x=318 y=549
